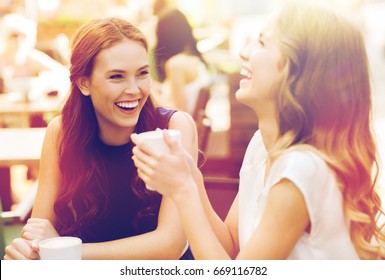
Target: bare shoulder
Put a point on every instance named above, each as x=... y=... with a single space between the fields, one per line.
x=54 y=129
x=181 y=61
x=181 y=119
x=185 y=124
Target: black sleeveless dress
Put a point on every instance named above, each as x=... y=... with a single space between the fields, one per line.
x=121 y=218
x=123 y=206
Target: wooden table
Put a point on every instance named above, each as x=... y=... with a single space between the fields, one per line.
x=17 y=146
x=8 y=105
x=21 y=145
x=11 y=107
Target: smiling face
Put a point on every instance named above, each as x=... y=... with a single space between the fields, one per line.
x=261 y=69
x=118 y=86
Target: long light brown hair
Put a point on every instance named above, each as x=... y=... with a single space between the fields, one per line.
x=324 y=102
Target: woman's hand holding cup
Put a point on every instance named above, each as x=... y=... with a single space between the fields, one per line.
x=165 y=170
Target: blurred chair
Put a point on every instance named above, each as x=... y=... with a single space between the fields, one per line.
x=221 y=192
x=12 y=222
x=202 y=121
x=221 y=184
x=200 y=106
x=204 y=132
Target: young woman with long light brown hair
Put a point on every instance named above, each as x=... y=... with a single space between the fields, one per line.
x=308 y=180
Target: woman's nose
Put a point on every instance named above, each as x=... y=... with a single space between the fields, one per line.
x=131 y=87
x=244 y=53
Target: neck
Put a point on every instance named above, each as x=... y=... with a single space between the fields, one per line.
x=268 y=124
x=269 y=132
x=117 y=137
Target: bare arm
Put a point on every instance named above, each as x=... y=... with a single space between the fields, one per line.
x=284 y=221
x=183 y=122
x=177 y=176
x=41 y=61
x=49 y=174
x=175 y=74
x=225 y=232
x=166 y=242
x=40 y=226
x=145 y=246
x=181 y=69
x=208 y=236
x=285 y=212
x=52 y=75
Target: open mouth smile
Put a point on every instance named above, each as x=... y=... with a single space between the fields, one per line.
x=246 y=73
x=128 y=105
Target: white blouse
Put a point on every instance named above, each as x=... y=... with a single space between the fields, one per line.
x=329 y=236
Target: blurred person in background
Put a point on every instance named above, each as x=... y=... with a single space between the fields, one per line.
x=21 y=62
x=308 y=182
x=147 y=14
x=26 y=73
x=88 y=184
x=180 y=67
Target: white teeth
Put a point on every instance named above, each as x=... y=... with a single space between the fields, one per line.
x=246 y=73
x=128 y=104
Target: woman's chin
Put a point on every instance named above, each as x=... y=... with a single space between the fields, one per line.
x=240 y=96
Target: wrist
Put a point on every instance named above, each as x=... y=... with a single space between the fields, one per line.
x=187 y=191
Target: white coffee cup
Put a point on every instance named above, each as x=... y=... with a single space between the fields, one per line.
x=154 y=139
x=61 y=248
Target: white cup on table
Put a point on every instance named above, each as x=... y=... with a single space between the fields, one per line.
x=61 y=248
x=154 y=139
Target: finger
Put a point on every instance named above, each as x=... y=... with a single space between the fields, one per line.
x=14 y=255
x=144 y=177
x=27 y=227
x=36 y=221
x=27 y=235
x=35 y=245
x=134 y=138
x=143 y=157
x=144 y=167
x=143 y=147
x=137 y=152
x=24 y=231
x=171 y=142
x=32 y=235
x=31 y=228
x=20 y=249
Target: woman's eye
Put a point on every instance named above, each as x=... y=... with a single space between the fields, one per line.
x=116 y=76
x=143 y=73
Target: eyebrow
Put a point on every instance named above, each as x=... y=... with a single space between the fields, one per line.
x=122 y=71
x=144 y=67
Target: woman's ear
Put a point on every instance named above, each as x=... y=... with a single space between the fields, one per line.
x=83 y=85
x=282 y=63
